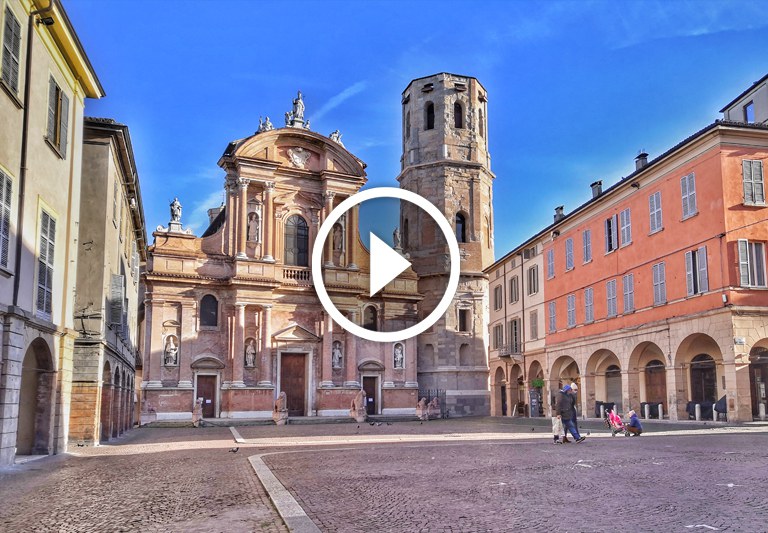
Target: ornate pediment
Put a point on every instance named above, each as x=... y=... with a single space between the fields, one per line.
x=207 y=360
x=371 y=366
x=293 y=333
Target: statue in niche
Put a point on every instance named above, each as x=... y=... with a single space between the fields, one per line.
x=397 y=239
x=250 y=354
x=399 y=356
x=175 y=210
x=253 y=227
x=336 y=355
x=338 y=237
x=171 y=351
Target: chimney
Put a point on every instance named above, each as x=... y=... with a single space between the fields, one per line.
x=641 y=160
x=597 y=188
x=559 y=213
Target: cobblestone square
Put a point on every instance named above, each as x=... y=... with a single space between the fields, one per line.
x=459 y=475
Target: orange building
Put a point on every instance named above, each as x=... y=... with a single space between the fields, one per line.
x=655 y=289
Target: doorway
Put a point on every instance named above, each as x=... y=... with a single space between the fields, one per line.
x=758 y=375
x=655 y=382
x=703 y=379
x=206 y=389
x=35 y=398
x=613 y=386
x=369 y=386
x=293 y=381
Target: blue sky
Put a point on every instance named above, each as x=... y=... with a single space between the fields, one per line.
x=575 y=88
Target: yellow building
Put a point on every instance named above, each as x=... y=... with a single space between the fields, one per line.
x=45 y=79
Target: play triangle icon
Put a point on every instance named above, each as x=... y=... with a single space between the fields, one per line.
x=386 y=264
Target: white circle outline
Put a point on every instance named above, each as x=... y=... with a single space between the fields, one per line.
x=317 y=272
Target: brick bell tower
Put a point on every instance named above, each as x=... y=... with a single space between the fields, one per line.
x=445 y=159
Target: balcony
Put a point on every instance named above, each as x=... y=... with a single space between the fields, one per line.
x=298 y=275
x=510 y=351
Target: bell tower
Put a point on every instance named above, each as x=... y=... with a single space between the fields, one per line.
x=445 y=159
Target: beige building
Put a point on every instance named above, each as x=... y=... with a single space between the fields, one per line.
x=112 y=249
x=45 y=78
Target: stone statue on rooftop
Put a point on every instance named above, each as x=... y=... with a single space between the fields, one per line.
x=175 y=210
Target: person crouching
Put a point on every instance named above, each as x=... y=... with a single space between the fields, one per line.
x=634 y=428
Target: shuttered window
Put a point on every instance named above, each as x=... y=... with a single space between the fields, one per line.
x=514 y=336
x=610 y=290
x=45 y=262
x=533 y=280
x=696 y=277
x=586 y=241
x=654 y=207
x=116 y=298
x=550 y=263
x=514 y=290
x=754 y=186
x=659 y=284
x=752 y=264
x=589 y=307
x=611 y=234
x=688 y=195
x=498 y=336
x=58 y=117
x=11 y=50
x=569 y=254
x=626 y=227
x=571 y=306
x=534 y=321
x=498 y=297
x=5 y=218
x=552 y=317
x=628 y=284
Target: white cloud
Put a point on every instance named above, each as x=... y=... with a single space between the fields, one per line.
x=337 y=100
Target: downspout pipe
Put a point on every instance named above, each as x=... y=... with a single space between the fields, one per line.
x=24 y=149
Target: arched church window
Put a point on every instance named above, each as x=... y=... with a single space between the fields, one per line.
x=429 y=117
x=296 y=241
x=209 y=311
x=371 y=318
x=461 y=231
x=458 y=116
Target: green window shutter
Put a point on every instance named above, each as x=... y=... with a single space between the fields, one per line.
x=702 y=264
x=11 y=50
x=63 y=124
x=5 y=218
x=689 y=272
x=758 y=182
x=116 y=292
x=52 y=105
x=749 y=187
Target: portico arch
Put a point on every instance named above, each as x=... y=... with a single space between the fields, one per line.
x=106 y=403
x=647 y=375
x=35 y=400
x=698 y=372
x=499 y=387
x=604 y=366
x=758 y=376
x=539 y=394
x=564 y=371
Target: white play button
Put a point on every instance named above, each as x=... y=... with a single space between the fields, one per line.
x=386 y=264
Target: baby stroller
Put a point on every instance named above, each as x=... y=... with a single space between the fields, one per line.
x=614 y=423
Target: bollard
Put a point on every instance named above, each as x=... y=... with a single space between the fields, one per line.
x=647 y=411
x=661 y=412
x=714 y=414
x=698 y=412
x=761 y=411
x=602 y=412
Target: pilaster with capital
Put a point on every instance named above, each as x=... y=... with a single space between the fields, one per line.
x=242 y=226
x=239 y=346
x=328 y=245
x=266 y=346
x=350 y=356
x=269 y=222
x=186 y=339
x=325 y=356
x=352 y=229
x=154 y=342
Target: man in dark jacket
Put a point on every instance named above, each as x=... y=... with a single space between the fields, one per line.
x=564 y=406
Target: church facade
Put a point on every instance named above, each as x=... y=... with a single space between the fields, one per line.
x=232 y=316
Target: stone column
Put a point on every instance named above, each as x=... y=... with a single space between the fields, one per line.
x=352 y=238
x=328 y=245
x=242 y=218
x=268 y=223
x=266 y=346
x=231 y=208
x=237 y=359
x=350 y=357
x=325 y=356
x=510 y=406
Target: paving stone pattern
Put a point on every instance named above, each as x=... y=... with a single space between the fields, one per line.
x=153 y=480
